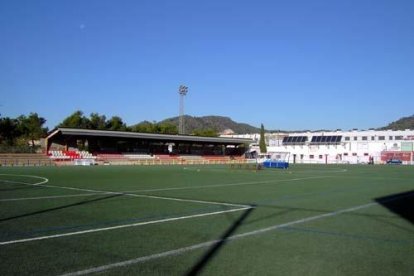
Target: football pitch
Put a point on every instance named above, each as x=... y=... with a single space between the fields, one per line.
x=209 y=220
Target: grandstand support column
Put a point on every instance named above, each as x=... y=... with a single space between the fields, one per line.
x=47 y=145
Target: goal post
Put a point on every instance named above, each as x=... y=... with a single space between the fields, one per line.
x=275 y=160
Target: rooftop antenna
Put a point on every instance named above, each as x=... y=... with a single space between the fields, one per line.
x=182 y=90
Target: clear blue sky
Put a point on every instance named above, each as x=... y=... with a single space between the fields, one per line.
x=297 y=64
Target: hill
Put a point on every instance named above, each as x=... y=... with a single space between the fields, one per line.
x=401 y=124
x=219 y=123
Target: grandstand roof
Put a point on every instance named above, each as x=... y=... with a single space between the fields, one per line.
x=148 y=136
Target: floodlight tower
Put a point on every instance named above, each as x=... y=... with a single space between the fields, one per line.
x=182 y=91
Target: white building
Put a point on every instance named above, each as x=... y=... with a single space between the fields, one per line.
x=329 y=147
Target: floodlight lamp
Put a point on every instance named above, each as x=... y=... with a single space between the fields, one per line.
x=183 y=90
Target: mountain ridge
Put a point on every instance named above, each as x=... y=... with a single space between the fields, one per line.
x=220 y=124
x=224 y=124
x=400 y=124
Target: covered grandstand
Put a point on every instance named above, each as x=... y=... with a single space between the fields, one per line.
x=69 y=143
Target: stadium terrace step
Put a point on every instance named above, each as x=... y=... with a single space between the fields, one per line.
x=166 y=157
x=138 y=156
x=110 y=156
x=191 y=157
x=59 y=155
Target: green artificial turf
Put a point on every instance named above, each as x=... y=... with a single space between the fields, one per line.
x=307 y=220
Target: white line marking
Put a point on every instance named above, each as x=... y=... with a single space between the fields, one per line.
x=243 y=207
x=17 y=182
x=45 y=180
x=228 y=185
x=144 y=196
x=142 y=259
x=121 y=226
x=191 y=200
x=48 y=197
x=269 y=171
x=128 y=193
x=95 y=192
x=322 y=171
x=231 y=238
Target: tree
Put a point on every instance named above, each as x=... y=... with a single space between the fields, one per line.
x=208 y=132
x=9 y=131
x=115 y=123
x=75 y=120
x=31 y=127
x=144 y=127
x=148 y=127
x=166 y=128
x=97 y=121
x=262 y=142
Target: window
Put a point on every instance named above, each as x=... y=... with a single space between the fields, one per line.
x=398 y=138
x=364 y=138
x=366 y=154
x=355 y=138
x=390 y=138
x=345 y=154
x=347 y=138
x=320 y=156
x=372 y=138
x=381 y=138
x=311 y=156
x=354 y=154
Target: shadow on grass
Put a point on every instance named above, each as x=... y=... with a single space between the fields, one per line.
x=267 y=217
x=59 y=208
x=401 y=204
x=198 y=267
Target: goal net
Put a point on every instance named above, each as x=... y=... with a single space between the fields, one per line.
x=281 y=156
x=274 y=160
